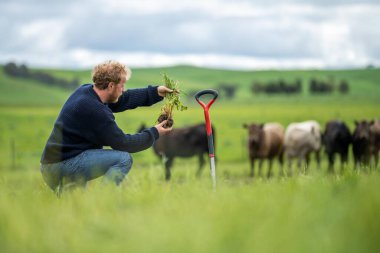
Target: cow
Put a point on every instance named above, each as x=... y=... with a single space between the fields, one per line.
x=361 y=143
x=183 y=142
x=302 y=139
x=265 y=141
x=336 y=140
x=375 y=140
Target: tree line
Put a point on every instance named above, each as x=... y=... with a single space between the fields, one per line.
x=315 y=86
x=22 y=71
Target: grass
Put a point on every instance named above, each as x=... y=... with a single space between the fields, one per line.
x=317 y=212
x=314 y=213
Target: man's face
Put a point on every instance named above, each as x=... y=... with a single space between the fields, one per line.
x=116 y=90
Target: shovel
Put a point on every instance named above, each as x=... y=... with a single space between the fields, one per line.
x=210 y=138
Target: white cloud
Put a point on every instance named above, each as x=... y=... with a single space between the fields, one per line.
x=43 y=35
x=215 y=33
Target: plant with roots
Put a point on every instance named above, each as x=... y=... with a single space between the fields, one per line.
x=171 y=101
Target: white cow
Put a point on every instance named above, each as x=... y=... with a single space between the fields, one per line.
x=301 y=139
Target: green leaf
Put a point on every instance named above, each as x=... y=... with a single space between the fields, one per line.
x=172 y=100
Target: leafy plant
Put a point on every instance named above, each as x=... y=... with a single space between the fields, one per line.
x=171 y=101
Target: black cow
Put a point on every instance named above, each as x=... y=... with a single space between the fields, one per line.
x=182 y=142
x=361 y=142
x=375 y=143
x=336 y=139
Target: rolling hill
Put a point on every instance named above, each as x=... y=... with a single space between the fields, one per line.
x=364 y=83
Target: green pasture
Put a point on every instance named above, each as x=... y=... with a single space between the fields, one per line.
x=24 y=130
x=316 y=212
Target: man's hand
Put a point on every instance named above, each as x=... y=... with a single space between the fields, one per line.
x=162 y=90
x=160 y=128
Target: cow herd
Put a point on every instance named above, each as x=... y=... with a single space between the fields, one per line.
x=272 y=141
x=299 y=140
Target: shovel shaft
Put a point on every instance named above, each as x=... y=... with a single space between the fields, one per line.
x=213 y=174
x=210 y=140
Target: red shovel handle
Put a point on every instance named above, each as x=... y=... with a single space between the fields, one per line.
x=206 y=108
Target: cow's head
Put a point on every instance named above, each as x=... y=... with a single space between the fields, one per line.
x=255 y=133
x=362 y=130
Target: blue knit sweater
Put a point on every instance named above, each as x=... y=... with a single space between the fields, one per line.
x=86 y=123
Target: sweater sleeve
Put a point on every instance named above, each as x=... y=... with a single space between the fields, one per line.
x=133 y=98
x=111 y=135
x=132 y=143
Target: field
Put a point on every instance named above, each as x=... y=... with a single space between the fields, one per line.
x=316 y=212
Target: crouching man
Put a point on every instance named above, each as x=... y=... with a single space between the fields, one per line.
x=74 y=152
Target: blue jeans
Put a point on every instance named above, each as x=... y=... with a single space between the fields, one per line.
x=88 y=165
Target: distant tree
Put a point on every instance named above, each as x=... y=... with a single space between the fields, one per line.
x=74 y=83
x=296 y=87
x=277 y=87
x=43 y=78
x=228 y=89
x=11 y=69
x=22 y=71
x=343 y=87
x=320 y=87
x=257 y=87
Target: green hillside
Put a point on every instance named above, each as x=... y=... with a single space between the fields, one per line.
x=364 y=83
x=20 y=92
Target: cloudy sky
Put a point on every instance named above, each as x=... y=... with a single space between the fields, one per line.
x=234 y=34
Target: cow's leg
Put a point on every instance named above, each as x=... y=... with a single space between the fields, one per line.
x=269 y=174
x=331 y=162
x=260 y=166
x=201 y=164
x=168 y=165
x=375 y=155
x=252 y=167
x=307 y=163
x=366 y=160
x=289 y=166
x=343 y=160
x=281 y=161
x=300 y=157
x=318 y=158
x=356 y=162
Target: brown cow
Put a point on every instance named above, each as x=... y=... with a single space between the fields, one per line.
x=182 y=142
x=265 y=141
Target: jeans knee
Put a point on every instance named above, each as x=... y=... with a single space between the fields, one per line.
x=126 y=160
x=51 y=176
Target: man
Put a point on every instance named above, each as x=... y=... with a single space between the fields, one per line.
x=73 y=153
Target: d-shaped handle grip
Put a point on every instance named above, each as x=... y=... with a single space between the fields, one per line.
x=204 y=92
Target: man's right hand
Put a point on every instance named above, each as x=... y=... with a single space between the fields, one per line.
x=160 y=128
